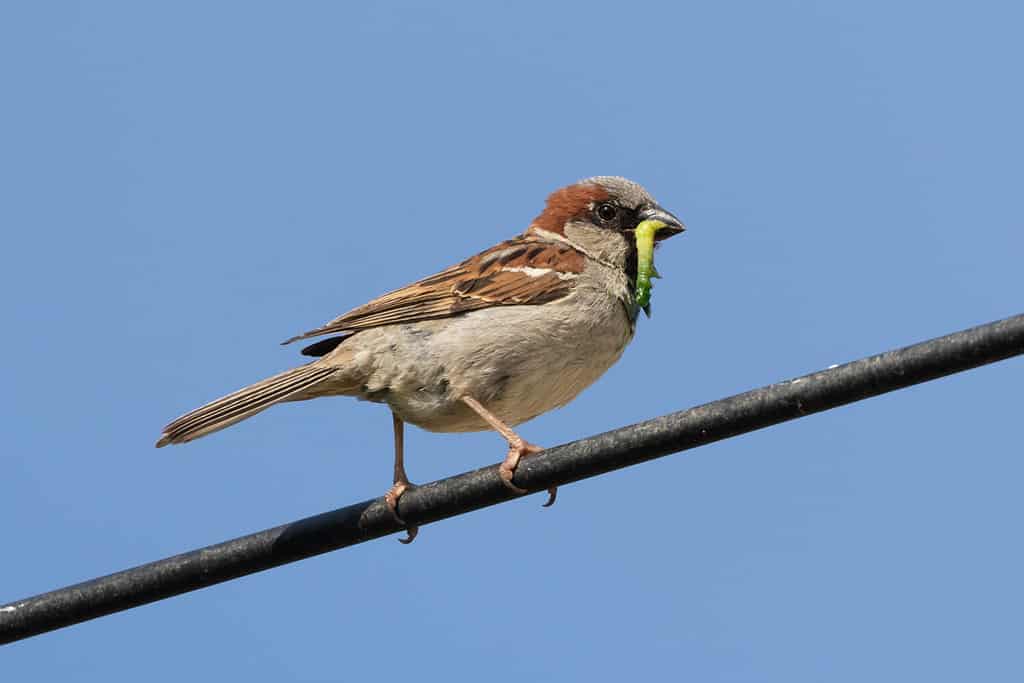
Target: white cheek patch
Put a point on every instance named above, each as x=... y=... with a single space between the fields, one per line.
x=538 y=272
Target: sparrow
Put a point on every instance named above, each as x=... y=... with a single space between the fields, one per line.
x=487 y=344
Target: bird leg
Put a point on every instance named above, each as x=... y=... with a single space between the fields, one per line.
x=401 y=484
x=517 y=448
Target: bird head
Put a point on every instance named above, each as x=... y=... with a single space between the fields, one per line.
x=600 y=215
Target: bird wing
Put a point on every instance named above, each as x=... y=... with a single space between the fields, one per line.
x=526 y=270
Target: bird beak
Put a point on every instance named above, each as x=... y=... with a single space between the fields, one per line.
x=670 y=224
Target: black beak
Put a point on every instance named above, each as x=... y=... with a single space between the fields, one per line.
x=672 y=225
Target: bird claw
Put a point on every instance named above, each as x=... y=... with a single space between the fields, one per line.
x=506 y=472
x=391 y=500
x=552 y=495
x=507 y=469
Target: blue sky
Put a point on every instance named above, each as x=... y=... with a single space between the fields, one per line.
x=186 y=184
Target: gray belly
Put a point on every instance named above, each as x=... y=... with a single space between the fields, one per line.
x=516 y=363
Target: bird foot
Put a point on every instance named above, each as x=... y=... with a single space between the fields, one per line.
x=391 y=499
x=507 y=470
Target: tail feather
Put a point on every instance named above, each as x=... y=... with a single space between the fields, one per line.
x=263 y=394
x=246 y=402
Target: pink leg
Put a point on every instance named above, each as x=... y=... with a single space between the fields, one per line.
x=517 y=448
x=401 y=480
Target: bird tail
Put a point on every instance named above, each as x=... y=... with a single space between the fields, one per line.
x=243 y=403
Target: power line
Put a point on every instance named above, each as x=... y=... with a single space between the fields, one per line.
x=559 y=465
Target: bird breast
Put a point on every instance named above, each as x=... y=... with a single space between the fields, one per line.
x=518 y=361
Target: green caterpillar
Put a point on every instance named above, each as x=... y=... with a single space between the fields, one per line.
x=645 y=262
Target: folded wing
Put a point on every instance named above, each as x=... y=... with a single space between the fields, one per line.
x=523 y=271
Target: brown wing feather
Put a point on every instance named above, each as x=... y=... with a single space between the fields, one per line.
x=523 y=271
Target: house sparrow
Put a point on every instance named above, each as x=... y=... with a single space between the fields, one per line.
x=494 y=341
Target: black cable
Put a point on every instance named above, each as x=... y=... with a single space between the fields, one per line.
x=556 y=466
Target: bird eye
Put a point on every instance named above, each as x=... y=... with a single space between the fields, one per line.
x=607 y=212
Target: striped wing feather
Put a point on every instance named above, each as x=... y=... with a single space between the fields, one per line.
x=522 y=271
